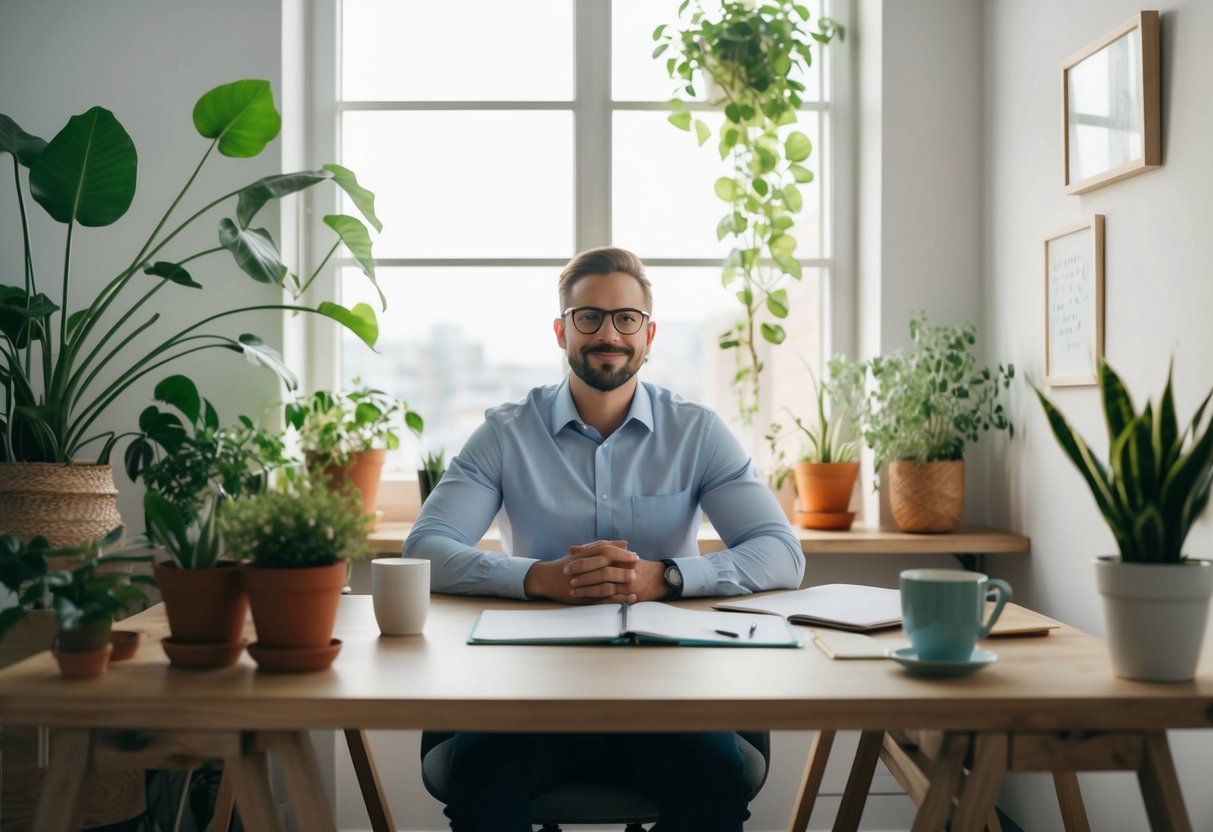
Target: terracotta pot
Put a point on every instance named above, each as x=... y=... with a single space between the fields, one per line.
x=294 y=607
x=125 y=643
x=927 y=498
x=87 y=665
x=826 y=486
x=68 y=504
x=363 y=472
x=204 y=606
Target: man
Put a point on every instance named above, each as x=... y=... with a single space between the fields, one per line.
x=601 y=481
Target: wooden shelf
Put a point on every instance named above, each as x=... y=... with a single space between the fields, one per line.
x=388 y=538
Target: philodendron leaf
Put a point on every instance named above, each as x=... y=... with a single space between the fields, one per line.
x=87 y=173
x=260 y=353
x=777 y=303
x=360 y=320
x=16 y=141
x=363 y=199
x=18 y=309
x=253 y=197
x=254 y=250
x=797 y=146
x=181 y=392
x=358 y=240
x=773 y=333
x=241 y=116
x=172 y=272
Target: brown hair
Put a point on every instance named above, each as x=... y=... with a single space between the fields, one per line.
x=603 y=260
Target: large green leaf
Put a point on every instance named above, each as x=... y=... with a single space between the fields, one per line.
x=797 y=146
x=171 y=271
x=1117 y=406
x=16 y=141
x=358 y=240
x=181 y=392
x=240 y=115
x=1166 y=439
x=254 y=250
x=260 y=353
x=253 y=197
x=360 y=320
x=363 y=199
x=87 y=173
x=17 y=310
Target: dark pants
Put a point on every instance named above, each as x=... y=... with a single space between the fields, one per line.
x=698 y=779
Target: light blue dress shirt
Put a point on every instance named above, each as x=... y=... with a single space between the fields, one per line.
x=558 y=483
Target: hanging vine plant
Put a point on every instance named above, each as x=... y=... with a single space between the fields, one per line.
x=748 y=56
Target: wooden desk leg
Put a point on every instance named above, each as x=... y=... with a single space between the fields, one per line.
x=254 y=797
x=981 y=787
x=810 y=783
x=945 y=779
x=1069 y=801
x=368 y=780
x=225 y=802
x=850 y=810
x=303 y=779
x=1160 y=786
x=61 y=807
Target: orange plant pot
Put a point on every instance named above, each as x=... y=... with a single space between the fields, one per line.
x=927 y=498
x=86 y=665
x=364 y=472
x=204 y=606
x=826 y=486
x=294 y=608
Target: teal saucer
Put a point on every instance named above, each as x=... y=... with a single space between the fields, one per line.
x=937 y=669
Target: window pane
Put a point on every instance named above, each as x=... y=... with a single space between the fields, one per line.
x=637 y=76
x=453 y=342
x=466 y=184
x=475 y=50
x=665 y=204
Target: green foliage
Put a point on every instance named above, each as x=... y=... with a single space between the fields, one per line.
x=434 y=464
x=305 y=525
x=836 y=440
x=332 y=427
x=748 y=55
x=930 y=402
x=61 y=369
x=1156 y=482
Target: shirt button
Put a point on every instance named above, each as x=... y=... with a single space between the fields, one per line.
x=604 y=497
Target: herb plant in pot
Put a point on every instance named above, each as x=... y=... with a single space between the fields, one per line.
x=298 y=540
x=927 y=405
x=62 y=366
x=433 y=466
x=192 y=466
x=826 y=473
x=1154 y=486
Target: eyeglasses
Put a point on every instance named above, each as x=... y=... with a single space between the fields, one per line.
x=588 y=319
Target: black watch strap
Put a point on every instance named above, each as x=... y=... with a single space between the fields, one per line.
x=672 y=577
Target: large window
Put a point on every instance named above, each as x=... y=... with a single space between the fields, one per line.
x=501 y=138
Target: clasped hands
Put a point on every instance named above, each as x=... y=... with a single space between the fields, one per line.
x=600 y=572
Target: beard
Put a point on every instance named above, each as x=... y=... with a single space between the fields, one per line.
x=608 y=377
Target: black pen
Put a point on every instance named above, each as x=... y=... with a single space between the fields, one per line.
x=753 y=627
x=728 y=633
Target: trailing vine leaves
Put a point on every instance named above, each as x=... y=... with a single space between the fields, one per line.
x=749 y=56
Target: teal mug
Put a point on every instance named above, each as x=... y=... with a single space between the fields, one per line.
x=942 y=610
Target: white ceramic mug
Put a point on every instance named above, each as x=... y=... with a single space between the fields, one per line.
x=400 y=588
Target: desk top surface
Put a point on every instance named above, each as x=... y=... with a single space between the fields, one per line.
x=436 y=680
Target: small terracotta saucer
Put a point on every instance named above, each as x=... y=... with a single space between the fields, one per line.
x=126 y=644
x=838 y=521
x=294 y=659
x=192 y=655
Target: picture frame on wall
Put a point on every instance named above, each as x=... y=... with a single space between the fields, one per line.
x=1111 y=108
x=1074 y=303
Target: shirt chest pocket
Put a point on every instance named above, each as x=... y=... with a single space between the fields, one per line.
x=663 y=525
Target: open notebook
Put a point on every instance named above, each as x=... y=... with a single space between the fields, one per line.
x=839 y=606
x=627 y=623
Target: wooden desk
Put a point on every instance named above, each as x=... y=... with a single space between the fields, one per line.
x=143 y=712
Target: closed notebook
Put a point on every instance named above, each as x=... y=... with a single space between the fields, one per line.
x=649 y=621
x=840 y=606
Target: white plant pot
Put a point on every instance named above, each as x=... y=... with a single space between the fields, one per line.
x=1155 y=616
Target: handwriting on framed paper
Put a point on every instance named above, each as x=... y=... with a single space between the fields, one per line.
x=1074 y=302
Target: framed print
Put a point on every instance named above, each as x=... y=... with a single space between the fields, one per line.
x=1110 y=100
x=1074 y=303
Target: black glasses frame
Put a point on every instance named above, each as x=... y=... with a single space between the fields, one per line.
x=611 y=313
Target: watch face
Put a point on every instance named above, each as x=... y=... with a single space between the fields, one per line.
x=673 y=576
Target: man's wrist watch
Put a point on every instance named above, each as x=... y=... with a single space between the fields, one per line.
x=673 y=578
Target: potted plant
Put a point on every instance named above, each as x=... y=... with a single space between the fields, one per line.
x=748 y=56
x=433 y=466
x=61 y=367
x=298 y=540
x=927 y=405
x=192 y=466
x=346 y=435
x=1154 y=486
x=83 y=598
x=827 y=471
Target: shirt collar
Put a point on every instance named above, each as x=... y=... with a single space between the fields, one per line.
x=564 y=410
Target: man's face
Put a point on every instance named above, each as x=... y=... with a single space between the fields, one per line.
x=605 y=359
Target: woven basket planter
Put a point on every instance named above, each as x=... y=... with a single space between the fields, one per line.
x=67 y=504
x=927 y=498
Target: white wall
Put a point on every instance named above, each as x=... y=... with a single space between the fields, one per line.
x=1158 y=301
